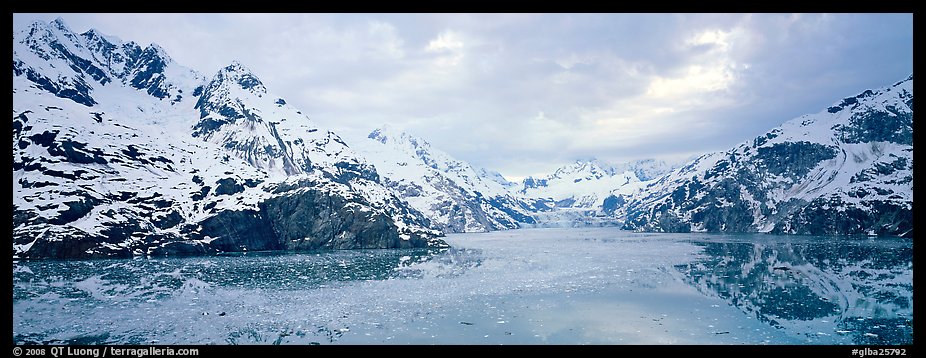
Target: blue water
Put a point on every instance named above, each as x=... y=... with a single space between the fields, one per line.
x=537 y=286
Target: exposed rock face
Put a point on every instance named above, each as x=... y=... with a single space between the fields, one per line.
x=337 y=223
x=119 y=151
x=843 y=171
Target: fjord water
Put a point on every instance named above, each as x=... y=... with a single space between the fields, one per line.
x=535 y=286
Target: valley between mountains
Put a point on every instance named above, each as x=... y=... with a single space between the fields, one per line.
x=119 y=151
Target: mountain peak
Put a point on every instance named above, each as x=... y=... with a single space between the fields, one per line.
x=590 y=166
x=588 y=182
x=496 y=177
x=62 y=29
x=43 y=32
x=35 y=31
x=389 y=133
x=379 y=134
x=103 y=44
x=159 y=51
x=645 y=169
x=853 y=102
x=846 y=170
x=59 y=23
x=36 y=25
x=243 y=76
x=95 y=34
x=455 y=195
x=203 y=170
x=236 y=66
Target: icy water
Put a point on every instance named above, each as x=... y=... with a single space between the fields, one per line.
x=537 y=286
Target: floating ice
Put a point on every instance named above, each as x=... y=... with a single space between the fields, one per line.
x=560 y=286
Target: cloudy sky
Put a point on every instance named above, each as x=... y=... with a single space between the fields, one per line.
x=526 y=93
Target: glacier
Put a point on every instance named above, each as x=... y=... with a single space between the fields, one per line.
x=119 y=151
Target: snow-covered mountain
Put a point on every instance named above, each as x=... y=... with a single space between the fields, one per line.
x=120 y=151
x=593 y=184
x=845 y=170
x=456 y=196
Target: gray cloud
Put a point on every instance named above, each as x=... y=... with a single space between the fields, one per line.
x=524 y=93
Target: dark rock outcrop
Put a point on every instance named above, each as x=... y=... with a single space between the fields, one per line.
x=251 y=174
x=843 y=171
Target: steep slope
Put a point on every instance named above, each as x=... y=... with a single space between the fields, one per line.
x=455 y=196
x=119 y=151
x=846 y=170
x=73 y=66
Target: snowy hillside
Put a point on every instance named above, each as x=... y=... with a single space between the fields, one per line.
x=593 y=184
x=120 y=151
x=845 y=170
x=456 y=196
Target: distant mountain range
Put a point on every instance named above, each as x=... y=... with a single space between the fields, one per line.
x=456 y=196
x=119 y=151
x=587 y=184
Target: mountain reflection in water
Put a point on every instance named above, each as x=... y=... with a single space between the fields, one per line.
x=863 y=286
